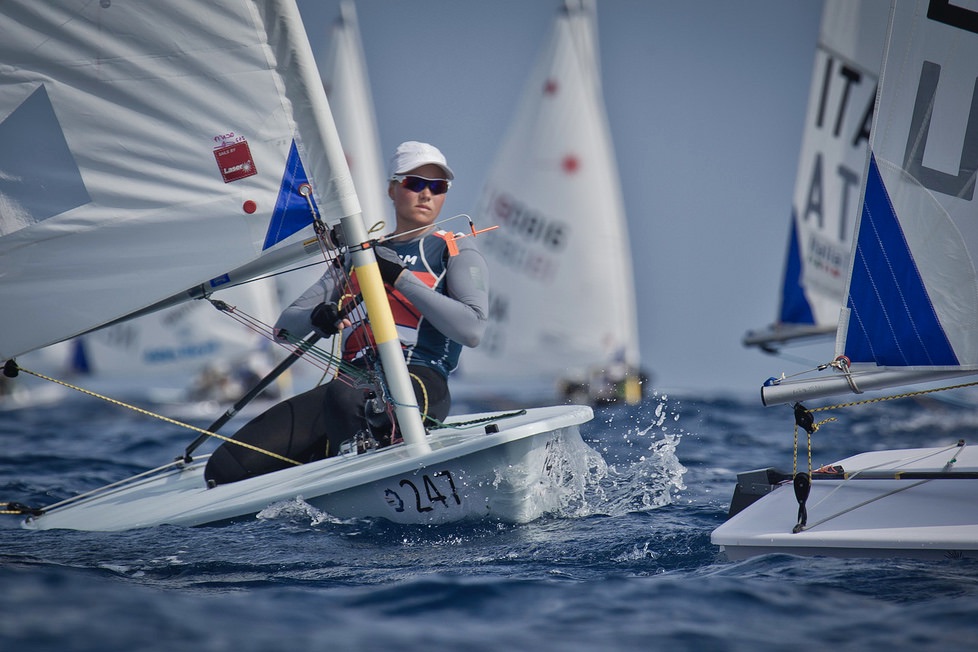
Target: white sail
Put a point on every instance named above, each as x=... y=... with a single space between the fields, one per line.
x=135 y=167
x=911 y=312
x=348 y=89
x=563 y=301
x=826 y=199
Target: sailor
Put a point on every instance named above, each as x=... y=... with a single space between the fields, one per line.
x=440 y=302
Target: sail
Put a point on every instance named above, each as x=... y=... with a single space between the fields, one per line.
x=562 y=288
x=911 y=313
x=826 y=197
x=147 y=148
x=348 y=89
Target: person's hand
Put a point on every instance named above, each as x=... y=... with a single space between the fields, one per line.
x=326 y=318
x=389 y=263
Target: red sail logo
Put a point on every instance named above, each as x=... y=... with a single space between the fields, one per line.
x=235 y=161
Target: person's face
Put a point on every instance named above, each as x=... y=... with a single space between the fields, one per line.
x=416 y=209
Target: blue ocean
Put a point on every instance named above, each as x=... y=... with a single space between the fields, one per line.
x=631 y=568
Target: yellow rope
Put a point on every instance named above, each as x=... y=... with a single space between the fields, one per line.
x=853 y=404
x=424 y=393
x=159 y=416
x=890 y=398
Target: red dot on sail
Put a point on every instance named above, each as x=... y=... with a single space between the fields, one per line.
x=550 y=87
x=570 y=164
x=250 y=207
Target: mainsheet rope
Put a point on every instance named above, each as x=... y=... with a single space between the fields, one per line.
x=155 y=415
x=805 y=420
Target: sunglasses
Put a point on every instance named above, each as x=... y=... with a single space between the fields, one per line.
x=417 y=184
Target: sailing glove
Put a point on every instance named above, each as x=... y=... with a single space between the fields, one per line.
x=389 y=263
x=326 y=317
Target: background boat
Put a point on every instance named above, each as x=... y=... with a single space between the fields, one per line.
x=563 y=323
x=909 y=322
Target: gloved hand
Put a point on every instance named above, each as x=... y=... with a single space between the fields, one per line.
x=389 y=263
x=326 y=317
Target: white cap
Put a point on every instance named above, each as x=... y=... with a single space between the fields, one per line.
x=411 y=155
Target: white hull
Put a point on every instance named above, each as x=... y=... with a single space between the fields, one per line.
x=512 y=475
x=868 y=515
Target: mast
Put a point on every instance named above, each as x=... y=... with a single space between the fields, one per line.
x=385 y=335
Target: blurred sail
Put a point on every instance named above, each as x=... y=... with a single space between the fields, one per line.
x=563 y=302
x=347 y=85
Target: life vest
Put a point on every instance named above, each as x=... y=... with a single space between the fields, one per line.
x=423 y=344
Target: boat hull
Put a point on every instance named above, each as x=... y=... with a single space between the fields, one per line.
x=471 y=473
x=895 y=503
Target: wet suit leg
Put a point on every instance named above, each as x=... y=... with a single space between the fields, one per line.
x=313 y=425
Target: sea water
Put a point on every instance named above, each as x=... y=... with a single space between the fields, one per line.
x=629 y=567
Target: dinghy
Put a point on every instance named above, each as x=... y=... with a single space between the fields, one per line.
x=910 y=319
x=554 y=190
x=154 y=152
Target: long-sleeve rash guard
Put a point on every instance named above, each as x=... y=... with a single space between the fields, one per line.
x=442 y=305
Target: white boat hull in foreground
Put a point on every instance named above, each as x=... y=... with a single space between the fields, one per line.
x=513 y=475
x=897 y=503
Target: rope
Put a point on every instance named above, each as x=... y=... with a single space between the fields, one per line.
x=867 y=401
x=803 y=418
x=159 y=416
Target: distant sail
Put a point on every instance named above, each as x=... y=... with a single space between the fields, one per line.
x=830 y=172
x=348 y=89
x=563 y=301
x=911 y=312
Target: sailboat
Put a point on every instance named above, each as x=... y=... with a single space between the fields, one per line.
x=826 y=199
x=563 y=240
x=192 y=147
x=910 y=319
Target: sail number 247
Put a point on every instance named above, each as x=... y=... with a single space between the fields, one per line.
x=422 y=494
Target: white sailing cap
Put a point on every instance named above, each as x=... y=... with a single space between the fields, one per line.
x=411 y=155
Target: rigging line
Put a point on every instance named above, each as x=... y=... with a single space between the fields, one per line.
x=331 y=360
x=905 y=461
x=862 y=504
x=472 y=230
x=473 y=422
x=157 y=416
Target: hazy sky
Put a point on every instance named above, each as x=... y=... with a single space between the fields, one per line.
x=706 y=102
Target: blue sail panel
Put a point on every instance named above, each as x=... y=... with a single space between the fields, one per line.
x=892 y=320
x=795 y=308
x=292 y=211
